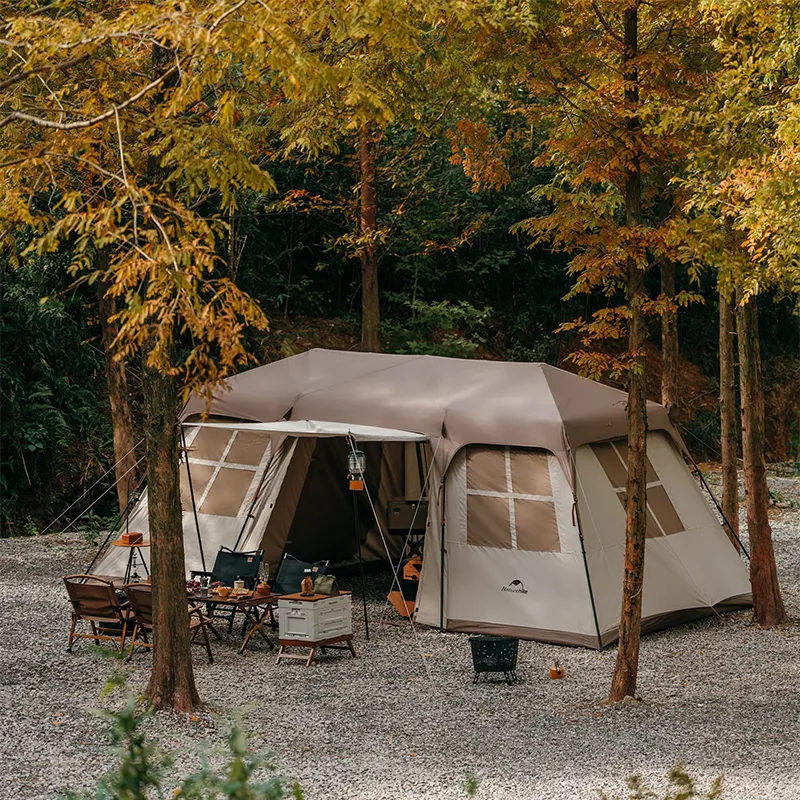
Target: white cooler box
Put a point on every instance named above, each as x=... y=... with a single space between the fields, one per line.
x=314 y=618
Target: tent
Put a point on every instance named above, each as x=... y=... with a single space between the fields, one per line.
x=523 y=468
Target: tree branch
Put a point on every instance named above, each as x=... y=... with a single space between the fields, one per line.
x=88 y=123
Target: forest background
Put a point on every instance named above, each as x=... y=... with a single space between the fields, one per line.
x=457 y=277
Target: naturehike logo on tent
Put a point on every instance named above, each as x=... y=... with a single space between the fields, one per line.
x=517 y=587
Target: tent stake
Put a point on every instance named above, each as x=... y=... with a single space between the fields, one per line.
x=360 y=559
x=191 y=494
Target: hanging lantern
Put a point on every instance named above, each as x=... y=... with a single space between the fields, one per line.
x=356 y=467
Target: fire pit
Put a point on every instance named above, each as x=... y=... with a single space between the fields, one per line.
x=494 y=654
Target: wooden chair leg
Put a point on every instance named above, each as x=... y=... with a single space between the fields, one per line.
x=133 y=641
x=208 y=644
x=124 y=631
x=71 y=633
x=310 y=657
x=352 y=649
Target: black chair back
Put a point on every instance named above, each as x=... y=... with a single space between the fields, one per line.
x=231 y=566
x=292 y=571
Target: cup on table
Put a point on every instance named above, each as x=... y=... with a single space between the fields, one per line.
x=238 y=585
x=205 y=581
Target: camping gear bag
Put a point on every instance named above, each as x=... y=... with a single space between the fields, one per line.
x=326 y=584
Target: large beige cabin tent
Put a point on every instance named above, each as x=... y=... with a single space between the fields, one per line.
x=523 y=466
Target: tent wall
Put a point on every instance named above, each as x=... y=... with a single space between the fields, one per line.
x=691 y=568
x=514 y=563
x=226 y=469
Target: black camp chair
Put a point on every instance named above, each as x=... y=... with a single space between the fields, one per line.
x=291 y=572
x=289 y=576
x=230 y=566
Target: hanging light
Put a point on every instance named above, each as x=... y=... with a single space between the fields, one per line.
x=357 y=463
x=356 y=467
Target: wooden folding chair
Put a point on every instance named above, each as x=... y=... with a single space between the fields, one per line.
x=94 y=600
x=141 y=601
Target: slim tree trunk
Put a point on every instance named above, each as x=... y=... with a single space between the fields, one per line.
x=623 y=682
x=172 y=678
x=727 y=418
x=767 y=602
x=370 y=305
x=669 y=341
x=126 y=471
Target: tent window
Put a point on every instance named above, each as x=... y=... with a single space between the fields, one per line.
x=224 y=465
x=510 y=499
x=247 y=448
x=228 y=493
x=488 y=522
x=662 y=518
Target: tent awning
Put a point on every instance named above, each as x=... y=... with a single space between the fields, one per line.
x=319 y=429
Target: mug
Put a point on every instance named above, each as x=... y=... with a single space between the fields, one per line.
x=238 y=585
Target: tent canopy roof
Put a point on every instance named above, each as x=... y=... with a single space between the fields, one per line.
x=452 y=402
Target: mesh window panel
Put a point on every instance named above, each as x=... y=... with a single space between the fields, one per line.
x=652 y=527
x=486 y=469
x=227 y=492
x=537 y=528
x=248 y=448
x=622 y=449
x=530 y=472
x=663 y=510
x=488 y=521
x=612 y=466
x=201 y=475
x=209 y=444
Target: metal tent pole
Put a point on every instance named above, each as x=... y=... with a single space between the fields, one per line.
x=719 y=507
x=588 y=576
x=256 y=495
x=191 y=494
x=356 y=528
x=442 y=553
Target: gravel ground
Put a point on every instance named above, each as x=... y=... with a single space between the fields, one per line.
x=719 y=694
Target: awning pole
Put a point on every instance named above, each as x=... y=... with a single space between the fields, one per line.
x=356 y=528
x=442 y=553
x=191 y=494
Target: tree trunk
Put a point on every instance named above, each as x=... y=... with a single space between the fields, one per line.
x=767 y=602
x=623 y=682
x=727 y=418
x=125 y=469
x=669 y=341
x=172 y=678
x=370 y=300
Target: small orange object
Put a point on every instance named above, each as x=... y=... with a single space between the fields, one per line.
x=132 y=537
x=556 y=671
x=356 y=486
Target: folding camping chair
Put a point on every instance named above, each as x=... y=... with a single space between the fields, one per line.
x=289 y=576
x=291 y=572
x=230 y=566
x=140 y=597
x=94 y=600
